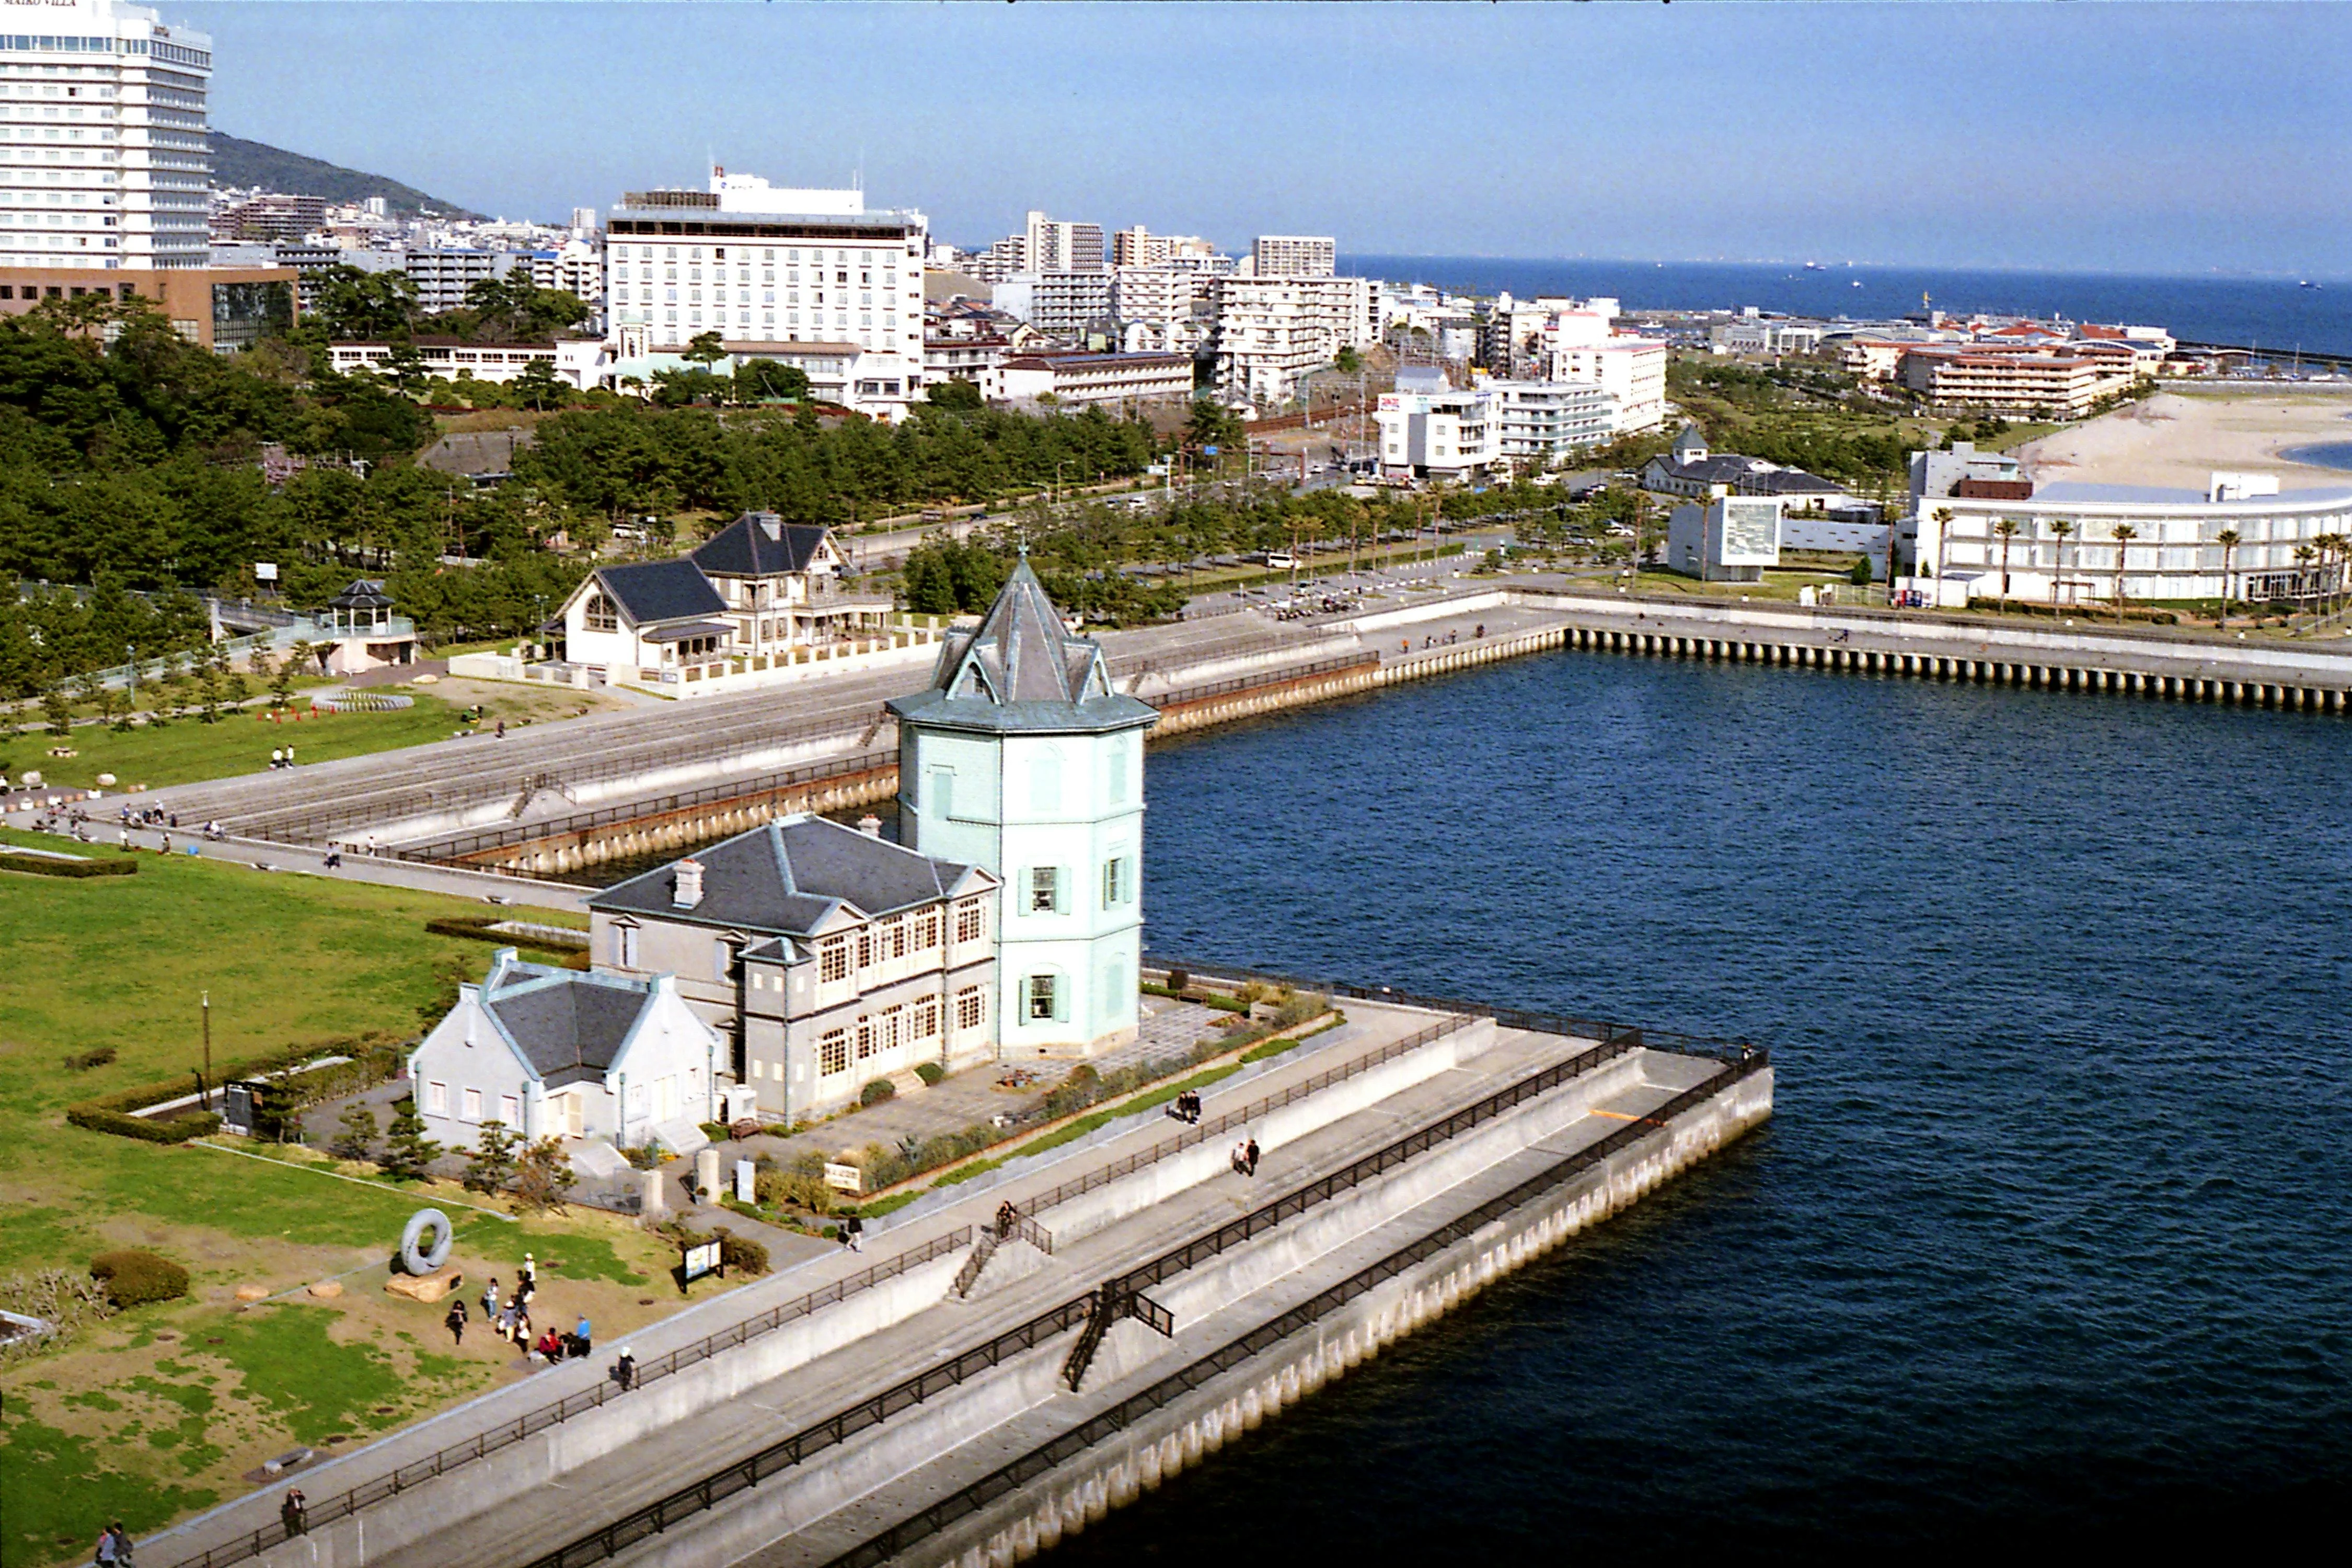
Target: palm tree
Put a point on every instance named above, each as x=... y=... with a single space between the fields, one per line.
x=2007 y=529
x=2123 y=533
x=2059 y=529
x=1942 y=550
x=2228 y=540
x=2303 y=555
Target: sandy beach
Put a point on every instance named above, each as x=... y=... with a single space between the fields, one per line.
x=2178 y=439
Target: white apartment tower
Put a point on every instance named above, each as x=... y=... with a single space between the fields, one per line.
x=763 y=265
x=1054 y=245
x=1294 y=256
x=102 y=137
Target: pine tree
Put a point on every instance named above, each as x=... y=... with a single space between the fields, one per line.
x=543 y=1176
x=355 y=1138
x=493 y=1160
x=58 y=709
x=407 y=1154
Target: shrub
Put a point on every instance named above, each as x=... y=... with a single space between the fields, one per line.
x=135 y=1277
x=58 y=1297
x=717 y=1132
x=740 y=1253
x=877 y=1092
x=542 y=1175
x=83 y=1061
x=795 y=1189
x=492 y=1163
x=355 y=1138
x=376 y=1058
x=165 y=1130
x=930 y=1072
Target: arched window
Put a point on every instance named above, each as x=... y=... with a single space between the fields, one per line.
x=600 y=616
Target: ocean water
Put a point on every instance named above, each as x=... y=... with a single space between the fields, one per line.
x=2047 y=1241
x=2268 y=313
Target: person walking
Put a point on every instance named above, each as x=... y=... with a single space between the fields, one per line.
x=526 y=1280
x=277 y=759
x=581 y=1334
x=457 y=1320
x=294 y=1513
x=491 y=1298
x=1250 y=1156
x=1241 y=1158
x=108 y=1552
x=624 y=1370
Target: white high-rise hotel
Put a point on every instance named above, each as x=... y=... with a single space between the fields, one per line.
x=103 y=156
x=763 y=265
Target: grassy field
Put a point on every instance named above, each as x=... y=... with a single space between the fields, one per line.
x=187 y=750
x=163 y=1410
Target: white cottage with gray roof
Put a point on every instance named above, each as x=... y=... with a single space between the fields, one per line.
x=828 y=957
x=554 y=1052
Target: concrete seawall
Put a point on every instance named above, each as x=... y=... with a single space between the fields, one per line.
x=1035 y=1514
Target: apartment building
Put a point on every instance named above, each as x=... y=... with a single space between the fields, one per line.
x=1063 y=304
x=1537 y=421
x=1432 y=430
x=270 y=215
x=1584 y=346
x=1139 y=247
x=1114 y=380
x=1270 y=332
x=973 y=359
x=1294 y=256
x=445 y=358
x=102 y=138
x=1163 y=308
x=765 y=264
x=2054 y=382
x=1056 y=245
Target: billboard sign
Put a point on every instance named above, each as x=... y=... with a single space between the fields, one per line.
x=1751 y=531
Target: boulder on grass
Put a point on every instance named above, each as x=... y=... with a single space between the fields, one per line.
x=425 y=1288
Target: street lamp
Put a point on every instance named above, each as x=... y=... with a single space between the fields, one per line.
x=130 y=651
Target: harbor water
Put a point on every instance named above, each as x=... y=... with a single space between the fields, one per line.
x=2047 y=1240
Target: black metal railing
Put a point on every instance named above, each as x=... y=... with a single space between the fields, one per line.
x=458 y=846
x=1009 y=1478
x=688 y=1501
x=326 y=1509
x=815 y=1438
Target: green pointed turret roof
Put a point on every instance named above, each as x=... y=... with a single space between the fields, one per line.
x=1022 y=669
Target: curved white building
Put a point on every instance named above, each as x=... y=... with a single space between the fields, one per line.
x=2064 y=548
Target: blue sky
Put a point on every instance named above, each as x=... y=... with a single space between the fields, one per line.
x=2169 y=138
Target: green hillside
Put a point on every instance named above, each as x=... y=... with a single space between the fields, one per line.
x=237 y=161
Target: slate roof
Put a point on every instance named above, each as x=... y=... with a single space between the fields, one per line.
x=760 y=544
x=1022 y=669
x=366 y=593
x=1727 y=469
x=789 y=877
x=661 y=590
x=569 y=1025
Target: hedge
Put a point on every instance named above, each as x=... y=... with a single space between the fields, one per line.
x=476 y=928
x=42 y=866
x=134 y=1277
x=377 y=1056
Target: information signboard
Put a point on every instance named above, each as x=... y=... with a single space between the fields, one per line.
x=701 y=1259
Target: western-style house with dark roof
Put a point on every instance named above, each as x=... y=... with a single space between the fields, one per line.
x=826 y=956
x=757 y=588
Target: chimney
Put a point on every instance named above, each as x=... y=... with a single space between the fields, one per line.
x=870 y=826
x=688 y=892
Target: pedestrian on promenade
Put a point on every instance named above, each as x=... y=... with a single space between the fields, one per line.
x=108 y=1552
x=457 y=1320
x=1250 y=1155
x=1241 y=1158
x=290 y=756
x=624 y=1370
x=580 y=1334
x=1005 y=1216
x=526 y=1280
x=502 y=728
x=853 y=1233
x=490 y=1297
x=293 y=1512
x=277 y=759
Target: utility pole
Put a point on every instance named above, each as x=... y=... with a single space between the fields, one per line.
x=131 y=651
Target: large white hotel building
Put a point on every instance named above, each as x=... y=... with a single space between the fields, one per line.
x=103 y=157
x=764 y=264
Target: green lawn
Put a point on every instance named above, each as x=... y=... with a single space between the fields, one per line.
x=160 y=1411
x=186 y=750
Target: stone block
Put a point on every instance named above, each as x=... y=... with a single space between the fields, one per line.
x=427 y=1288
